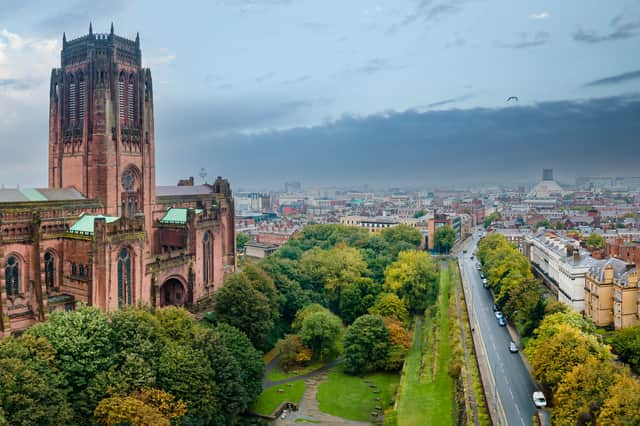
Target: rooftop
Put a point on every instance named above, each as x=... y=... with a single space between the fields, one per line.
x=21 y=195
x=84 y=226
x=181 y=191
x=176 y=216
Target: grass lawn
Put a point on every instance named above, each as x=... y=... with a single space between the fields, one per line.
x=426 y=395
x=278 y=373
x=348 y=396
x=270 y=399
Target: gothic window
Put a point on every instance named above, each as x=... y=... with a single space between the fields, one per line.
x=49 y=270
x=131 y=100
x=12 y=276
x=81 y=97
x=71 y=101
x=124 y=277
x=121 y=97
x=74 y=269
x=207 y=274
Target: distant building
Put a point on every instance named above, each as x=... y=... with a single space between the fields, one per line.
x=292 y=187
x=547 y=188
x=259 y=250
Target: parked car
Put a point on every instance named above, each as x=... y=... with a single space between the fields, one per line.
x=485 y=283
x=513 y=348
x=478 y=266
x=464 y=251
x=501 y=322
x=498 y=314
x=482 y=275
x=495 y=308
x=539 y=399
x=471 y=257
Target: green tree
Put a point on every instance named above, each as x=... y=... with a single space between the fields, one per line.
x=623 y=405
x=582 y=391
x=413 y=277
x=83 y=341
x=241 y=240
x=490 y=219
x=543 y=224
x=305 y=312
x=402 y=234
x=444 y=238
x=356 y=298
x=595 y=240
x=120 y=410
x=626 y=344
x=239 y=304
x=32 y=387
x=419 y=213
x=366 y=345
x=391 y=306
x=322 y=332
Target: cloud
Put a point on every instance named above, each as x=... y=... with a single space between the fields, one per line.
x=17 y=84
x=298 y=80
x=79 y=13
x=161 y=60
x=429 y=147
x=446 y=101
x=375 y=65
x=457 y=41
x=529 y=40
x=541 y=15
x=621 y=29
x=614 y=79
x=427 y=11
x=264 y=77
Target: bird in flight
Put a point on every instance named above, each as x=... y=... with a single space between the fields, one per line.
x=514 y=98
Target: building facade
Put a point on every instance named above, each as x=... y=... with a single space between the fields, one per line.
x=103 y=233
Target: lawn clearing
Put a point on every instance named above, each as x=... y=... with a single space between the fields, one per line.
x=351 y=397
x=270 y=399
x=426 y=389
x=277 y=373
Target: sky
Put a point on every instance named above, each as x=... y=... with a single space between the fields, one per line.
x=393 y=92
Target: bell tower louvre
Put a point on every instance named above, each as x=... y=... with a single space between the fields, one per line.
x=101 y=131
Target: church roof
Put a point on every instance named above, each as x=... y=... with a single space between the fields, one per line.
x=22 y=195
x=178 y=191
x=84 y=226
x=176 y=216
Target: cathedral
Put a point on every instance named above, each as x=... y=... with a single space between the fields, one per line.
x=103 y=233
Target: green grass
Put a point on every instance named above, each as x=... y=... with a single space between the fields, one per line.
x=349 y=397
x=270 y=399
x=277 y=373
x=306 y=421
x=427 y=392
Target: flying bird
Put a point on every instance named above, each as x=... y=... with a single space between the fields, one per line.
x=515 y=98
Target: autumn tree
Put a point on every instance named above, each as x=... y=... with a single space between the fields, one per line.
x=622 y=407
x=413 y=277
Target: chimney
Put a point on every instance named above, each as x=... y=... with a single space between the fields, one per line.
x=576 y=254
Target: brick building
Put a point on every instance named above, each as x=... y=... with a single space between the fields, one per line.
x=103 y=233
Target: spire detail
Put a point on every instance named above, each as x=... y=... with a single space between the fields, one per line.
x=90 y=29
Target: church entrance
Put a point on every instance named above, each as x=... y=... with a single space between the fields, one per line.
x=172 y=293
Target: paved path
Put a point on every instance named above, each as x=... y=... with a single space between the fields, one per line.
x=310 y=410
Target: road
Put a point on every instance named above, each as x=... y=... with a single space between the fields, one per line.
x=514 y=385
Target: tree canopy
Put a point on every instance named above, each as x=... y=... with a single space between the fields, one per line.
x=444 y=238
x=413 y=277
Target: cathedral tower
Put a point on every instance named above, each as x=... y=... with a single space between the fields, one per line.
x=101 y=138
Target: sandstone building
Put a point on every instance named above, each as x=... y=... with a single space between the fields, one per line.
x=103 y=233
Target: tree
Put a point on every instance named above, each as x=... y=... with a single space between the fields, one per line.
x=596 y=241
x=490 y=219
x=623 y=405
x=444 y=238
x=419 y=213
x=239 y=304
x=83 y=341
x=366 y=345
x=290 y=349
x=247 y=357
x=389 y=305
x=241 y=240
x=321 y=332
x=402 y=234
x=583 y=391
x=543 y=224
x=356 y=298
x=552 y=358
x=32 y=387
x=118 y=410
x=413 y=277
x=626 y=344
x=305 y=312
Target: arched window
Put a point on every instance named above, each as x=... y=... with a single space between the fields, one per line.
x=74 y=269
x=207 y=273
x=131 y=100
x=12 y=276
x=81 y=97
x=71 y=101
x=49 y=270
x=124 y=277
x=121 y=95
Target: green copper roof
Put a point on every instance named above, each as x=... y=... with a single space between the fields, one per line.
x=177 y=216
x=33 y=194
x=85 y=224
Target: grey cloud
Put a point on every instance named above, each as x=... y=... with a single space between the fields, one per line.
x=448 y=101
x=538 y=39
x=376 y=65
x=300 y=79
x=427 y=11
x=614 y=79
x=79 y=13
x=620 y=30
x=264 y=77
x=18 y=84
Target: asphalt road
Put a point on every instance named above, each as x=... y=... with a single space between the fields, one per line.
x=514 y=385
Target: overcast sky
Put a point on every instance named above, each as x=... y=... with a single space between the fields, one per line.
x=346 y=91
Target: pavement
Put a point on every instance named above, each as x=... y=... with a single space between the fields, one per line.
x=512 y=383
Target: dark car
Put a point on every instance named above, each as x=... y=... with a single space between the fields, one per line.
x=495 y=308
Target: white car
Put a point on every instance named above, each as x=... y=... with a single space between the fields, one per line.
x=498 y=314
x=539 y=400
x=513 y=348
